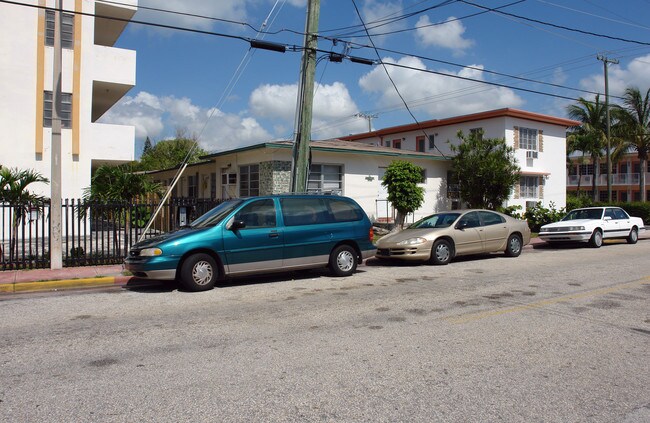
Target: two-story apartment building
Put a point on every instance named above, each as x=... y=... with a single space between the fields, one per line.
x=626 y=173
x=539 y=142
x=95 y=75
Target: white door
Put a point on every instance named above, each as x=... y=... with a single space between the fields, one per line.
x=228 y=184
x=384 y=209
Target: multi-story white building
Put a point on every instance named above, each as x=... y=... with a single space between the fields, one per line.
x=95 y=75
x=539 y=142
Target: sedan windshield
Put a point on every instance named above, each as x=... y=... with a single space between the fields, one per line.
x=593 y=214
x=215 y=215
x=440 y=220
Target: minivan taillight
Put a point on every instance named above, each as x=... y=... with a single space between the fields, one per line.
x=371 y=234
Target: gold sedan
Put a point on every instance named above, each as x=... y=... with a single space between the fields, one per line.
x=442 y=236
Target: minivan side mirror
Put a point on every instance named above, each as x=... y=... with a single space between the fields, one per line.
x=237 y=224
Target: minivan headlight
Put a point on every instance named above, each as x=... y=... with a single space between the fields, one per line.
x=412 y=241
x=150 y=252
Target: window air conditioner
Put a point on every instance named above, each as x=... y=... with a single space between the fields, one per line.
x=530 y=154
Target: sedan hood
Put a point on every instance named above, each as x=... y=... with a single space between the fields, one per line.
x=405 y=234
x=563 y=223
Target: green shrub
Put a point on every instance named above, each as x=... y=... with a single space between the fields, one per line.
x=539 y=215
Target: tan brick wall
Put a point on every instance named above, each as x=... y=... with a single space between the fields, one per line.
x=516 y=137
x=541 y=187
x=540 y=142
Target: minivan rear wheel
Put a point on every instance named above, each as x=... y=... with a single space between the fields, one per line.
x=343 y=260
x=199 y=272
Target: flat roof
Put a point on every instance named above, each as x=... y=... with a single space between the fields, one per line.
x=435 y=123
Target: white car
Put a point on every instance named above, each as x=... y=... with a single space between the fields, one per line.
x=593 y=224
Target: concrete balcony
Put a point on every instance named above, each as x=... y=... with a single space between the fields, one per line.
x=113 y=20
x=113 y=76
x=112 y=144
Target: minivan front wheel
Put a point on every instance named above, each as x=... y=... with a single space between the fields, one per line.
x=199 y=272
x=343 y=260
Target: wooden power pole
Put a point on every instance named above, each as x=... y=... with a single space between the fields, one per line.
x=300 y=169
x=606 y=61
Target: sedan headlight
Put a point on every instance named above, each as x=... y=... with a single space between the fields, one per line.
x=412 y=241
x=150 y=252
x=576 y=228
x=543 y=230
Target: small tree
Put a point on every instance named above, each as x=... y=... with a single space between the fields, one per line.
x=486 y=168
x=170 y=153
x=401 y=181
x=14 y=192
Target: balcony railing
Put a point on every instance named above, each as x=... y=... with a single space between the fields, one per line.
x=616 y=178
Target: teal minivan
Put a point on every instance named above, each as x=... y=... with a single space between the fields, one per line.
x=245 y=236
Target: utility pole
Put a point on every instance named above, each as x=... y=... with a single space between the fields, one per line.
x=305 y=100
x=369 y=118
x=606 y=61
x=56 y=250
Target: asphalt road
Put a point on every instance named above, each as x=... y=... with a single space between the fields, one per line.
x=556 y=335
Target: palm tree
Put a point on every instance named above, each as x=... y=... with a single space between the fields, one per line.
x=593 y=131
x=14 y=192
x=634 y=128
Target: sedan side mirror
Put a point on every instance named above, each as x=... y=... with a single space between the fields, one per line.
x=462 y=225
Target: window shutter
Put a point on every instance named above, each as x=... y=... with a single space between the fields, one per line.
x=516 y=137
x=540 y=183
x=540 y=143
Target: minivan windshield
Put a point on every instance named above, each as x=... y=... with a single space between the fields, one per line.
x=440 y=220
x=216 y=215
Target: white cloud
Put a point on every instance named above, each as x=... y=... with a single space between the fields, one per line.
x=635 y=74
x=377 y=14
x=159 y=117
x=333 y=109
x=222 y=9
x=447 y=35
x=439 y=95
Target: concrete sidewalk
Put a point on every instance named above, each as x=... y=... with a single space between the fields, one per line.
x=15 y=281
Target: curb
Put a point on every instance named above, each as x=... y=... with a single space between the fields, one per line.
x=55 y=285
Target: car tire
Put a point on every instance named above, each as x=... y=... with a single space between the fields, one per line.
x=441 y=252
x=343 y=260
x=633 y=237
x=596 y=239
x=199 y=272
x=514 y=246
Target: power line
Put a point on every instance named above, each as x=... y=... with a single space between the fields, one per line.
x=595 y=34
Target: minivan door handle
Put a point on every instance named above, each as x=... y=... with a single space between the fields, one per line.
x=274 y=235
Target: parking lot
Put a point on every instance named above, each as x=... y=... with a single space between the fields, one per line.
x=555 y=335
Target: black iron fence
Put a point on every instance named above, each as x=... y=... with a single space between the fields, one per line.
x=92 y=233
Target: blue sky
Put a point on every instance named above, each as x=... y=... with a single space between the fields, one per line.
x=217 y=88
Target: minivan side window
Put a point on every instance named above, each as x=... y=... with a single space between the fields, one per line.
x=304 y=211
x=258 y=214
x=343 y=211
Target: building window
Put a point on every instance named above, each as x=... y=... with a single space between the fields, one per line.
x=326 y=178
x=432 y=142
x=66 y=109
x=192 y=186
x=477 y=132
x=397 y=143
x=586 y=169
x=213 y=185
x=249 y=180
x=67 y=29
x=453 y=186
x=419 y=144
x=528 y=186
x=604 y=196
x=528 y=139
